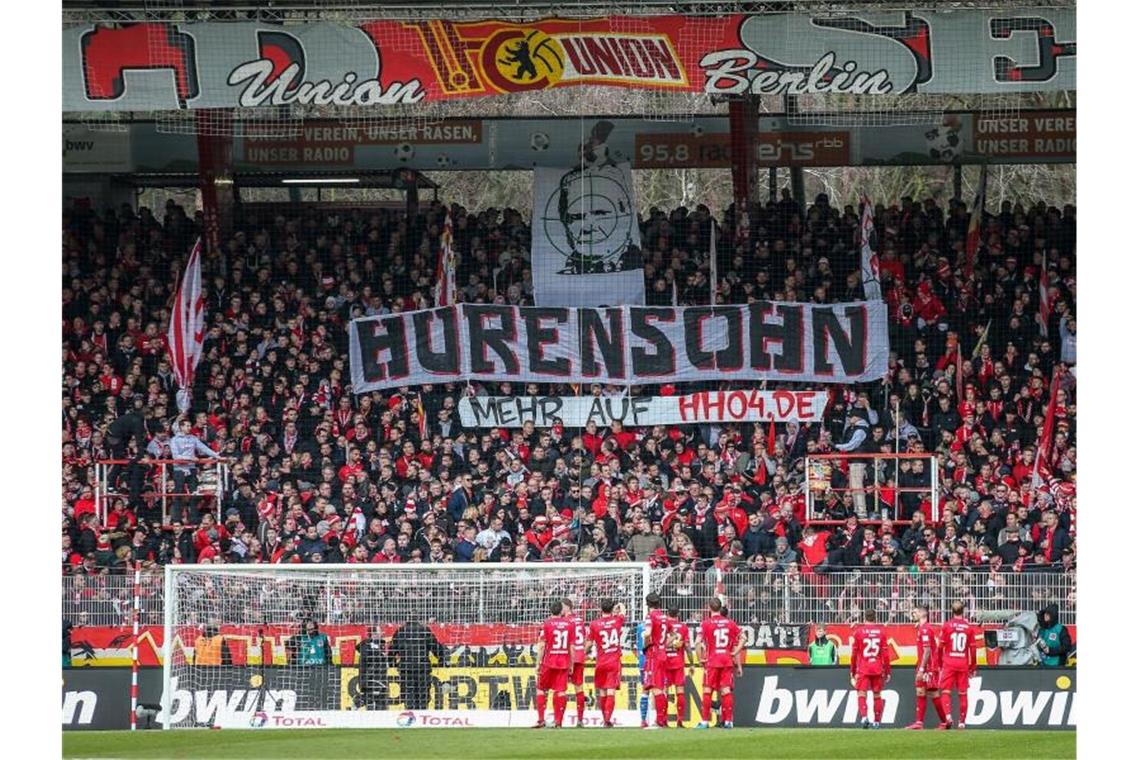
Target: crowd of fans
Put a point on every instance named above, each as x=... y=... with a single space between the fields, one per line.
x=318 y=474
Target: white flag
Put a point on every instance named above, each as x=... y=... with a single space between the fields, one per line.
x=868 y=243
x=187 y=329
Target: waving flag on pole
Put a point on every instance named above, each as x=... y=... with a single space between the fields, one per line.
x=1041 y=467
x=974 y=231
x=445 y=290
x=187 y=326
x=712 y=264
x=1043 y=296
x=869 y=244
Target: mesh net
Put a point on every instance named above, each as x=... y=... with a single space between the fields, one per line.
x=454 y=637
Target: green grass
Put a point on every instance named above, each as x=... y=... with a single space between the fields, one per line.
x=472 y=744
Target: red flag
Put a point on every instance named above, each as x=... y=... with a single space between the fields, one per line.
x=187 y=329
x=423 y=416
x=771 y=437
x=445 y=290
x=974 y=231
x=958 y=373
x=1043 y=298
x=1041 y=466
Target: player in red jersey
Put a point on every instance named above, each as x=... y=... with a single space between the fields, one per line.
x=719 y=652
x=578 y=671
x=554 y=655
x=655 y=659
x=676 y=654
x=605 y=643
x=870 y=667
x=926 y=670
x=959 y=662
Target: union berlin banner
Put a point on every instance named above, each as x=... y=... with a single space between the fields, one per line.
x=175 y=65
x=626 y=345
x=692 y=408
x=586 y=245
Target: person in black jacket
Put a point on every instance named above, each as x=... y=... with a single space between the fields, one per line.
x=120 y=432
x=411 y=649
x=372 y=659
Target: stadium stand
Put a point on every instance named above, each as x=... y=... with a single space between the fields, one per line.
x=314 y=473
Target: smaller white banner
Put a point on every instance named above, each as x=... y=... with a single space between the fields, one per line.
x=86 y=150
x=408 y=719
x=692 y=408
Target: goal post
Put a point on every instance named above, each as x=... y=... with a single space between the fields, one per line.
x=236 y=652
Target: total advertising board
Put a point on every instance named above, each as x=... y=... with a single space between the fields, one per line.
x=326 y=697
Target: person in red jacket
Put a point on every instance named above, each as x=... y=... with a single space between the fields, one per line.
x=870 y=667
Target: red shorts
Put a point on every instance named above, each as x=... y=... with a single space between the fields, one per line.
x=928 y=680
x=654 y=674
x=578 y=674
x=675 y=676
x=868 y=683
x=953 y=678
x=607 y=676
x=552 y=679
x=718 y=678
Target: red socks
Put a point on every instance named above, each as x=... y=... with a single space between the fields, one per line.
x=706 y=706
x=581 y=705
x=946 y=707
x=920 y=709
x=963 y=703
x=559 y=708
x=726 y=701
x=863 y=705
x=680 y=698
x=878 y=710
x=661 y=702
x=607 y=704
x=939 y=708
x=541 y=698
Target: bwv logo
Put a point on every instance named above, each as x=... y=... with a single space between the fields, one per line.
x=77 y=145
x=816 y=706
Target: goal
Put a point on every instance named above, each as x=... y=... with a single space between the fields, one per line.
x=236 y=652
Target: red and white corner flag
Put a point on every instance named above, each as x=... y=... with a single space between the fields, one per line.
x=445 y=290
x=1043 y=297
x=974 y=231
x=868 y=244
x=187 y=326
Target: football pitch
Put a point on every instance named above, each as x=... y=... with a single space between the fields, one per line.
x=472 y=744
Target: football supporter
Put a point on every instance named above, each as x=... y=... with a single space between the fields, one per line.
x=719 y=652
x=554 y=654
x=958 y=650
x=870 y=668
x=605 y=643
x=927 y=667
x=676 y=657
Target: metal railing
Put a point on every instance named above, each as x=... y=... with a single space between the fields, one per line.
x=822 y=476
x=753 y=596
x=213 y=482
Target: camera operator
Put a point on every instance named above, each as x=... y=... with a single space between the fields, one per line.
x=1052 y=638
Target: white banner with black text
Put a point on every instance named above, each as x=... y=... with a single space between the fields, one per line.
x=640 y=411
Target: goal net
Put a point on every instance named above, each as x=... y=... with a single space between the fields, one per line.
x=239 y=650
